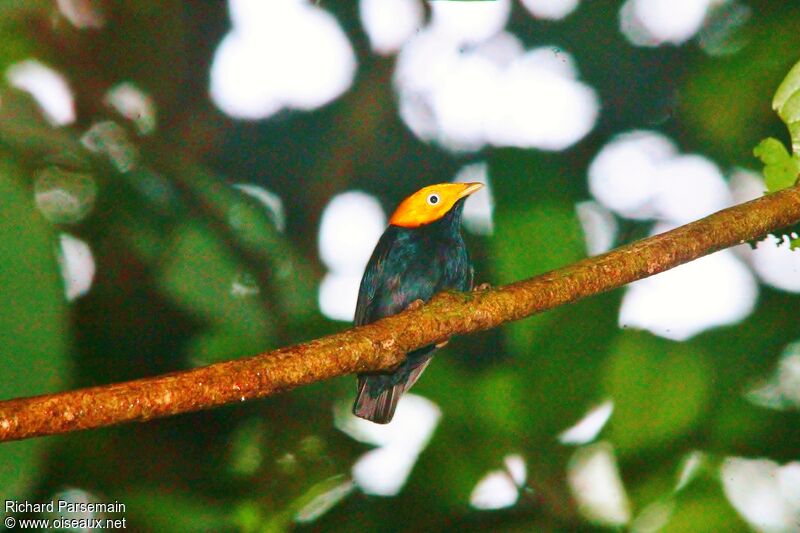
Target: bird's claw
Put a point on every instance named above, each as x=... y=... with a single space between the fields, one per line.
x=482 y=287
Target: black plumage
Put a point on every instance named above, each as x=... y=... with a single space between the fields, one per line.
x=408 y=264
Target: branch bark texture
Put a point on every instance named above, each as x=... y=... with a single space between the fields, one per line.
x=382 y=345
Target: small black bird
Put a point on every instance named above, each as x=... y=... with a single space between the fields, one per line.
x=420 y=253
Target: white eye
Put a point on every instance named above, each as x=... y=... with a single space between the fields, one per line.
x=433 y=199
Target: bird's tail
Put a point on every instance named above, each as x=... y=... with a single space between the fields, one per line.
x=378 y=394
x=375 y=401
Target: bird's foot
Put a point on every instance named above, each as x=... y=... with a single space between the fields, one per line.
x=416 y=304
x=482 y=287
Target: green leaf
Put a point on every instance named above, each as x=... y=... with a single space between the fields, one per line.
x=771 y=151
x=33 y=327
x=780 y=168
x=788 y=88
x=786 y=103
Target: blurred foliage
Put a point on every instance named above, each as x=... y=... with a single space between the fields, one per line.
x=171 y=238
x=787 y=103
x=33 y=325
x=782 y=169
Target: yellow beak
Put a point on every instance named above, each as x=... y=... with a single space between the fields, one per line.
x=470 y=188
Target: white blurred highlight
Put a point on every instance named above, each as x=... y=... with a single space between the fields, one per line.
x=776 y=264
x=623 y=176
x=594 y=479
x=48 y=87
x=280 y=54
x=689 y=188
x=641 y=175
x=469 y=22
x=133 y=104
x=500 y=488
x=782 y=389
x=82 y=14
x=588 y=428
x=492 y=93
x=269 y=200
x=78 y=505
x=550 y=9
x=351 y=225
x=109 y=138
x=599 y=226
x=690 y=467
x=384 y=470
x=536 y=106
x=746 y=185
x=716 y=290
x=64 y=197
x=721 y=34
x=338 y=295
x=764 y=493
x=653 y=517
x=390 y=23
x=77 y=266
x=324 y=502
x=656 y=22
x=479 y=208
x=244 y=285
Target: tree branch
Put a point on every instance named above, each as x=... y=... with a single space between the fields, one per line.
x=382 y=345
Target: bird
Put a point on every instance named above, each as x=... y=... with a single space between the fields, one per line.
x=421 y=253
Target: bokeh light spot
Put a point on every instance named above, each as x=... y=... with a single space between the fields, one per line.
x=594 y=479
x=599 y=226
x=390 y=23
x=351 y=225
x=656 y=22
x=550 y=9
x=62 y=196
x=384 y=470
x=479 y=208
x=764 y=493
x=282 y=54
x=48 y=87
x=588 y=427
x=77 y=266
x=678 y=304
x=500 y=488
x=133 y=104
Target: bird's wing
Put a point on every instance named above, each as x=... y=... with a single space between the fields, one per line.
x=371 y=283
x=396 y=275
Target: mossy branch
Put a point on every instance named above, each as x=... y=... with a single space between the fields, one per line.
x=382 y=345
